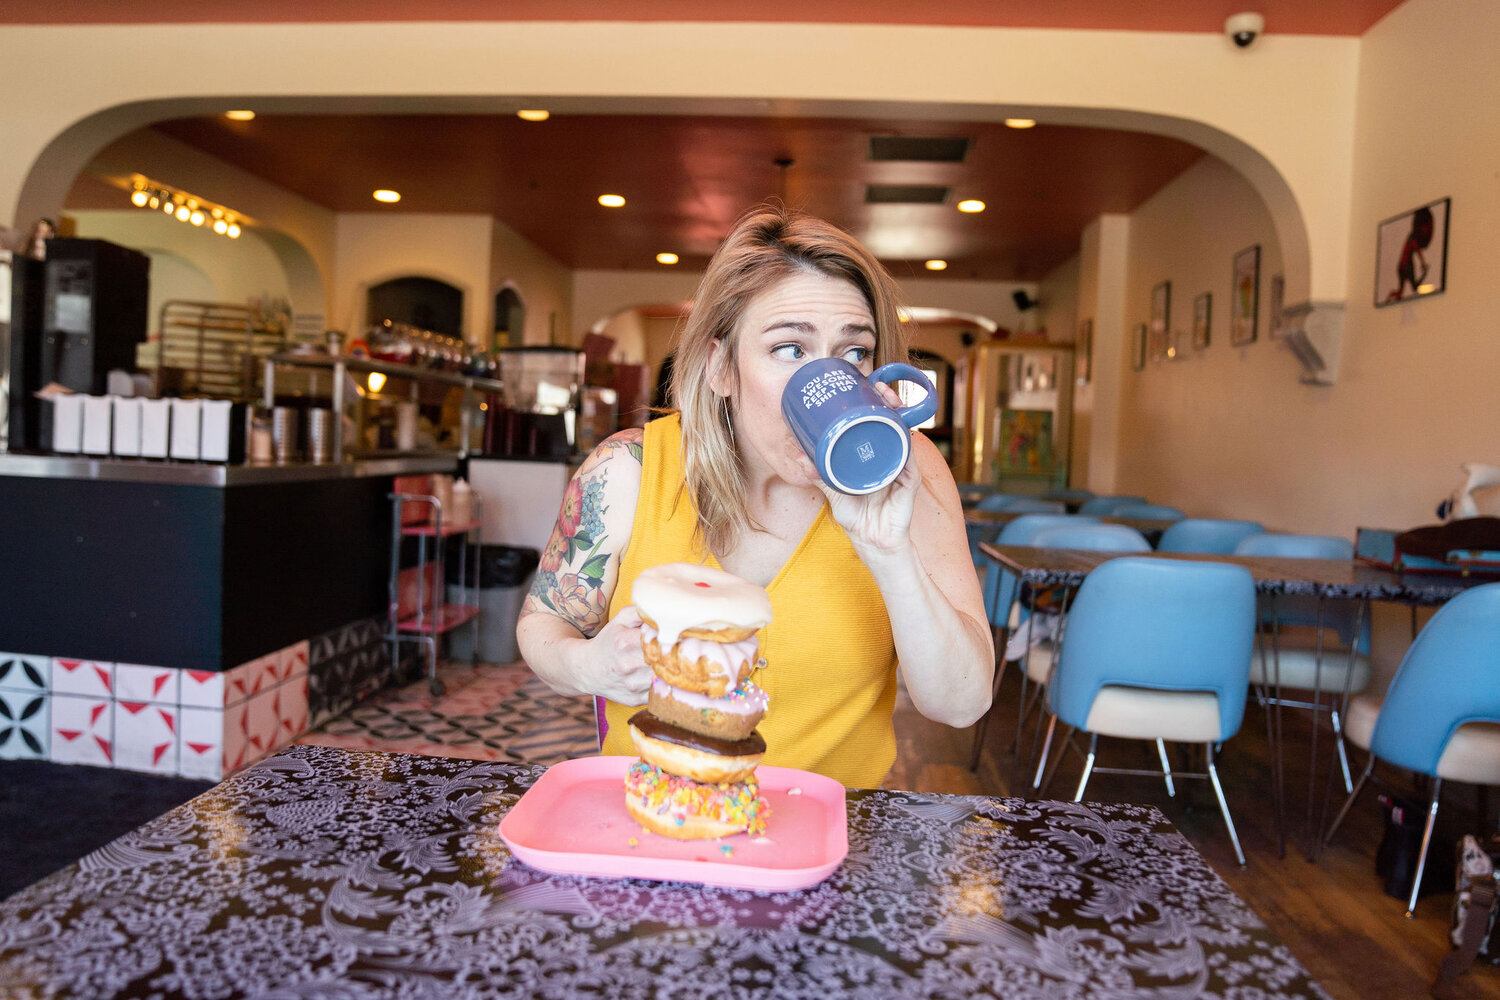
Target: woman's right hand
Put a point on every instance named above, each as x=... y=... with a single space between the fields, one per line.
x=615 y=665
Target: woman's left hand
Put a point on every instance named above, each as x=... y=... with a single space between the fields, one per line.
x=879 y=520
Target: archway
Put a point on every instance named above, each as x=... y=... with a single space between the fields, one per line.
x=425 y=303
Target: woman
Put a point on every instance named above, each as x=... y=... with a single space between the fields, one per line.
x=858 y=585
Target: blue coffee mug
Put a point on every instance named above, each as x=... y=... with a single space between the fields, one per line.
x=858 y=443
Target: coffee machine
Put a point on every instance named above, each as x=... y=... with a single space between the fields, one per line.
x=73 y=317
x=538 y=418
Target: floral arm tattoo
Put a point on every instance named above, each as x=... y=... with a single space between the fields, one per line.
x=570 y=578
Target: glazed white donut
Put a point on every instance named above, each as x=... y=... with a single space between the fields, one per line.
x=677 y=597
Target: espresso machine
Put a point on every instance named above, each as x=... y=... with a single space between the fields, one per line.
x=538 y=413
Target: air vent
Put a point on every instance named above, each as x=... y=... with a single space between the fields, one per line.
x=905 y=194
x=926 y=149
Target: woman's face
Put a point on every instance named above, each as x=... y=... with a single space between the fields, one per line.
x=804 y=317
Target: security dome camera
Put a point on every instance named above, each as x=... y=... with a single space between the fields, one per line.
x=1243 y=29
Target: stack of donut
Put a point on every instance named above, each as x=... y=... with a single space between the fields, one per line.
x=696 y=736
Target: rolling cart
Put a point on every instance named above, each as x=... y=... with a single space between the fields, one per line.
x=433 y=616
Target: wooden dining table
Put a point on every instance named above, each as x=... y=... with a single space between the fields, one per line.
x=326 y=872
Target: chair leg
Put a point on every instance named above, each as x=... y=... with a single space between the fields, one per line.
x=1338 y=743
x=1041 y=762
x=1354 y=794
x=1416 y=882
x=1088 y=767
x=1166 y=767
x=1062 y=751
x=1213 y=776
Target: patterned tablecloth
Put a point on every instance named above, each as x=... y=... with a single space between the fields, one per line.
x=323 y=872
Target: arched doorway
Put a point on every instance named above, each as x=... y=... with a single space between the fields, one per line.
x=426 y=303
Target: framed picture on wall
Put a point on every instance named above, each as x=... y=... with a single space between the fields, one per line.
x=1275 y=306
x=1161 y=320
x=1244 y=296
x=1138 y=348
x=1411 y=254
x=1083 y=363
x=1203 y=307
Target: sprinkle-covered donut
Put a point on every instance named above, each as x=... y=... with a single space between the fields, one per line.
x=732 y=717
x=688 y=810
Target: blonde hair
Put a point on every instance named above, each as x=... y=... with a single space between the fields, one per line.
x=767 y=245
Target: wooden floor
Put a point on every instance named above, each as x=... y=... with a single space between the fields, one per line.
x=1333 y=915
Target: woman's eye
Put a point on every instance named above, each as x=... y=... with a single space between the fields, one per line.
x=856 y=355
x=787 y=352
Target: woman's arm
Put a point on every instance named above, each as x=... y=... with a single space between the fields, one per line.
x=911 y=537
x=563 y=632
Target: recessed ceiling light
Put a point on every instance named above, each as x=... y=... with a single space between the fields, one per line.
x=666 y=258
x=388 y=196
x=533 y=114
x=612 y=200
x=971 y=205
x=1020 y=122
x=239 y=116
x=936 y=265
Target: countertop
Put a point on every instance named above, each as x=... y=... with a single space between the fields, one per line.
x=139 y=470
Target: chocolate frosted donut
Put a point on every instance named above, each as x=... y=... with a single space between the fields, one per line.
x=732 y=717
x=692 y=755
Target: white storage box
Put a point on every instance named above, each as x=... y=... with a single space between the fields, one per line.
x=156 y=421
x=214 y=446
x=97 y=436
x=187 y=428
x=67 y=423
x=127 y=426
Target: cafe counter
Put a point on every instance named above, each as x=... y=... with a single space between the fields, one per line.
x=189 y=585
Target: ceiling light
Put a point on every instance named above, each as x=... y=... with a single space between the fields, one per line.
x=936 y=265
x=612 y=200
x=533 y=114
x=234 y=231
x=387 y=195
x=971 y=205
x=221 y=227
x=1020 y=122
x=196 y=218
x=239 y=116
x=667 y=258
x=183 y=213
x=138 y=198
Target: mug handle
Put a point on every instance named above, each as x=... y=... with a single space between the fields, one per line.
x=899 y=371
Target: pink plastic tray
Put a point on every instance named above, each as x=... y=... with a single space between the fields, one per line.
x=573 y=822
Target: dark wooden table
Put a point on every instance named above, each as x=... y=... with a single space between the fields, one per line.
x=323 y=872
x=1334 y=578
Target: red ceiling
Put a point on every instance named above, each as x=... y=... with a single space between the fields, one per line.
x=686 y=179
x=1291 y=17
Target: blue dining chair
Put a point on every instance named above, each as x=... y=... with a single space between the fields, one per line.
x=1441 y=715
x=1001 y=591
x=998 y=501
x=1071 y=498
x=1106 y=506
x=1036 y=505
x=1149 y=512
x=1155 y=649
x=1206 y=534
x=1041 y=659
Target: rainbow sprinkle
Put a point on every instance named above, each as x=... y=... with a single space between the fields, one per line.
x=739 y=803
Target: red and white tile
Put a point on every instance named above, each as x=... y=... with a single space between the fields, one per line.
x=213 y=743
x=81 y=730
x=201 y=689
x=147 y=736
x=262 y=724
x=83 y=677
x=291 y=710
x=157 y=685
x=292 y=661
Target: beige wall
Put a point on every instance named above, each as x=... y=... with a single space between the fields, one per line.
x=374 y=247
x=1293 y=139
x=543 y=284
x=1060 y=305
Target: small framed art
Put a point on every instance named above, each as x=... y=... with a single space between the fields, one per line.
x=1084 y=362
x=1411 y=254
x=1244 y=296
x=1161 y=320
x=1138 y=348
x=1203 y=308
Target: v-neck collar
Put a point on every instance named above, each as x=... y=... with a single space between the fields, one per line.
x=807 y=537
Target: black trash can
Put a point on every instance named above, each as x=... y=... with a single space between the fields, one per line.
x=504 y=577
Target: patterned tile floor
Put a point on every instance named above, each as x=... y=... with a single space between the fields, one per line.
x=490 y=712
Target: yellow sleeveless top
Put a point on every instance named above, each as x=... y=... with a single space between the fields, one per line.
x=830 y=662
